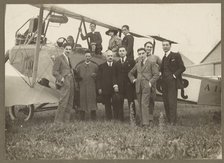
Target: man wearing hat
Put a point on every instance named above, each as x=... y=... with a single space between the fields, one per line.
x=171 y=69
x=63 y=72
x=114 y=42
x=95 y=37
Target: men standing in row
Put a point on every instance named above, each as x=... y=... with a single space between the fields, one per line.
x=172 y=68
x=63 y=72
x=128 y=42
x=105 y=84
x=121 y=82
x=87 y=71
x=147 y=75
x=95 y=39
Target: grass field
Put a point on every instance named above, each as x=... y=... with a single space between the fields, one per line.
x=197 y=135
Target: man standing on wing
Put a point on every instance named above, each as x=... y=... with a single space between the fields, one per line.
x=128 y=42
x=95 y=39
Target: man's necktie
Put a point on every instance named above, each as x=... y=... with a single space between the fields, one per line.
x=142 y=63
x=69 y=63
x=122 y=59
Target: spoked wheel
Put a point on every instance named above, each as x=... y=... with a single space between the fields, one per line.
x=24 y=113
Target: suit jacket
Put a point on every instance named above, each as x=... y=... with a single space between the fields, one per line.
x=128 y=43
x=176 y=65
x=120 y=77
x=104 y=78
x=148 y=73
x=96 y=37
x=61 y=68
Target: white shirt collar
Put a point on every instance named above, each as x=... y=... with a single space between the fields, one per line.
x=108 y=63
x=87 y=62
x=167 y=53
x=65 y=57
x=124 y=59
x=145 y=60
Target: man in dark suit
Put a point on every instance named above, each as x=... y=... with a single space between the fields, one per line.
x=95 y=38
x=105 y=84
x=63 y=72
x=172 y=68
x=121 y=83
x=128 y=41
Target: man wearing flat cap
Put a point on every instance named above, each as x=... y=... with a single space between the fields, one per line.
x=114 y=42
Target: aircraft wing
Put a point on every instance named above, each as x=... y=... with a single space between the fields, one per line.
x=60 y=10
x=18 y=92
x=158 y=38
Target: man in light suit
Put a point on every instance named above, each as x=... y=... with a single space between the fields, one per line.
x=156 y=59
x=63 y=72
x=147 y=75
x=105 y=83
x=171 y=69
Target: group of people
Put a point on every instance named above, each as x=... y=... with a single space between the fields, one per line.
x=115 y=81
x=114 y=43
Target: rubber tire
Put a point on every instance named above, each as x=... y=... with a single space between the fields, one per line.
x=29 y=115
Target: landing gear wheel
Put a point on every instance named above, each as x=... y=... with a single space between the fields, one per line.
x=24 y=113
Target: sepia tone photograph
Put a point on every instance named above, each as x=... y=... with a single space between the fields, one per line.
x=113 y=81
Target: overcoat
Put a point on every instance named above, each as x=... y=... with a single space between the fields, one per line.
x=87 y=85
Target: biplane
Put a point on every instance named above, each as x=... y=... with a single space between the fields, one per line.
x=30 y=86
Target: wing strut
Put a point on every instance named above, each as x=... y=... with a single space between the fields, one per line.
x=37 y=50
x=84 y=24
x=76 y=41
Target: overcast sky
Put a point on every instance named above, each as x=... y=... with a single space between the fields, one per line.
x=196 y=27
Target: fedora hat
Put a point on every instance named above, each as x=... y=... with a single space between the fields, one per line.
x=112 y=30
